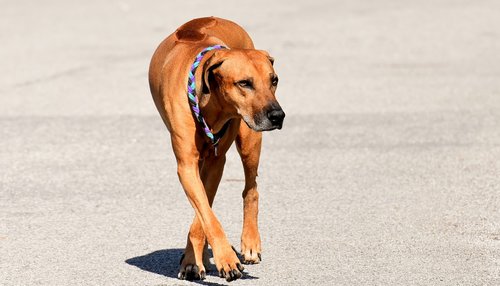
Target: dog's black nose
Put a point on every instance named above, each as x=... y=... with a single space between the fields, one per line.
x=276 y=117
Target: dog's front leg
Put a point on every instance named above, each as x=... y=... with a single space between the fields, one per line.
x=249 y=143
x=226 y=261
x=195 y=258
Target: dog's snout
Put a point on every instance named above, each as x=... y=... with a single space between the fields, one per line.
x=276 y=116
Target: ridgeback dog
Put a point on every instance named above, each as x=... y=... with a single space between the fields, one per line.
x=211 y=87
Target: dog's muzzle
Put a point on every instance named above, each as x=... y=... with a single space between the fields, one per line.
x=270 y=118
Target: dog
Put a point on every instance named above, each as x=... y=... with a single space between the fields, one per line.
x=212 y=88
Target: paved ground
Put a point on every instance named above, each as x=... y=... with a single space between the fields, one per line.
x=387 y=171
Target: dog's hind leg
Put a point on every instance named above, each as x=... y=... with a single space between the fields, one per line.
x=248 y=143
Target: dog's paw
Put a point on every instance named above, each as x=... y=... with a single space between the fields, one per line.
x=189 y=270
x=228 y=264
x=250 y=248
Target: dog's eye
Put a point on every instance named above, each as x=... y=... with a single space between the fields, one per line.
x=245 y=83
x=274 y=81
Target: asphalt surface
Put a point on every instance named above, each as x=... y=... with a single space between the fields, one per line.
x=387 y=170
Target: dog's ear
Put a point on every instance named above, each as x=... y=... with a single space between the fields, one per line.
x=271 y=59
x=210 y=65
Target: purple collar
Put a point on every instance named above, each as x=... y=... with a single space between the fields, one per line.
x=194 y=102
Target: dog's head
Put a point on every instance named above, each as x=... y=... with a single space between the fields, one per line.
x=243 y=82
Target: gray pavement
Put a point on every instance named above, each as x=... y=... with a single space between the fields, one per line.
x=387 y=171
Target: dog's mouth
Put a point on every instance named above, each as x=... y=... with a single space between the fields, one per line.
x=269 y=119
x=260 y=127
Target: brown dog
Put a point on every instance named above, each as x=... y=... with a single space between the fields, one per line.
x=231 y=84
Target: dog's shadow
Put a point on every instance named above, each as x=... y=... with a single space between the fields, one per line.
x=166 y=262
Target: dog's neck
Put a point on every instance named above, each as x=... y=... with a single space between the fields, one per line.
x=213 y=112
x=210 y=106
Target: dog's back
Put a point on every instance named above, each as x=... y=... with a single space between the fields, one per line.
x=229 y=32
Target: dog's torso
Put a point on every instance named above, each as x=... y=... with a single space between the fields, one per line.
x=170 y=66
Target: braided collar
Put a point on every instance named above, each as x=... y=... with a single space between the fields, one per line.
x=194 y=102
